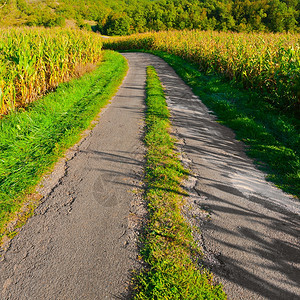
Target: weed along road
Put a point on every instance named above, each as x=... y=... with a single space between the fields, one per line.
x=82 y=241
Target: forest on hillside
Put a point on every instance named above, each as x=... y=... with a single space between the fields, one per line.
x=122 y=17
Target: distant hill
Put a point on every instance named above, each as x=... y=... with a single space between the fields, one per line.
x=120 y=17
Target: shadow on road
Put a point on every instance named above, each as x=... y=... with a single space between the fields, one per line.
x=255 y=228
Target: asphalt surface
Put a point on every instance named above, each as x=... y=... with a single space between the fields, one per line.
x=81 y=243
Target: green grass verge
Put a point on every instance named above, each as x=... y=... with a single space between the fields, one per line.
x=31 y=141
x=168 y=246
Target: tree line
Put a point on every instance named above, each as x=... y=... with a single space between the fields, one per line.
x=221 y=15
x=122 y=17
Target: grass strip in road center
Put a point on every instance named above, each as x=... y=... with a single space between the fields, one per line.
x=168 y=245
x=31 y=141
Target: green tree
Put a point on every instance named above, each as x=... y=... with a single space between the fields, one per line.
x=117 y=24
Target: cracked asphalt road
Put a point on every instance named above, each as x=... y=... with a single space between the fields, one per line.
x=81 y=243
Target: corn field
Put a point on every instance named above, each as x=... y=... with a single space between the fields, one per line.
x=268 y=63
x=34 y=61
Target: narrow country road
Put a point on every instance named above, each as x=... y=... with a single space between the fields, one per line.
x=81 y=242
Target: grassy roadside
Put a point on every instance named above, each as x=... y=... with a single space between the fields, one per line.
x=31 y=141
x=168 y=246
